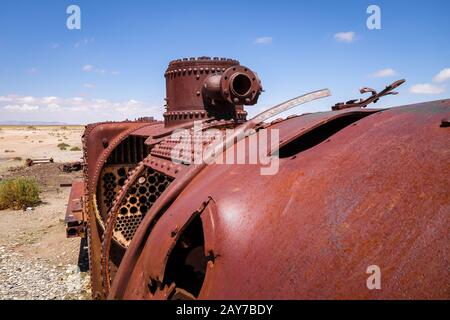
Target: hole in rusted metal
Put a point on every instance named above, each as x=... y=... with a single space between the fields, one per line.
x=153 y=286
x=186 y=265
x=318 y=135
x=241 y=84
x=211 y=256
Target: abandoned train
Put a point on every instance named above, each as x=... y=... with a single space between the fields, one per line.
x=356 y=190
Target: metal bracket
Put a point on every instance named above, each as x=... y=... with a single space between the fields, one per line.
x=362 y=103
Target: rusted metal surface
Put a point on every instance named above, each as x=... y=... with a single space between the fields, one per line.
x=312 y=232
x=75 y=220
x=95 y=137
x=355 y=187
x=155 y=210
x=203 y=88
x=100 y=140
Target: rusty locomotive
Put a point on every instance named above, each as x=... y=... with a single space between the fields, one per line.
x=355 y=187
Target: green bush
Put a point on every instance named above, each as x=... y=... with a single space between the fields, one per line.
x=19 y=192
x=63 y=146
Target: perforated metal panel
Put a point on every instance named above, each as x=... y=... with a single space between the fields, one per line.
x=140 y=197
x=123 y=158
x=112 y=179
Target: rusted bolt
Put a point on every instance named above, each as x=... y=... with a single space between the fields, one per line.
x=174 y=232
x=445 y=123
x=211 y=257
x=105 y=143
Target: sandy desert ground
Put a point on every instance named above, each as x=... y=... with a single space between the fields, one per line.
x=38 y=142
x=36 y=259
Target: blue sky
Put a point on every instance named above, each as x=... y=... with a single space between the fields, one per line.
x=113 y=67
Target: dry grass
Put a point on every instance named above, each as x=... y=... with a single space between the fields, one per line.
x=19 y=192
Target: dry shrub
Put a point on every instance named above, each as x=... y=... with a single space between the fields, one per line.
x=63 y=146
x=19 y=192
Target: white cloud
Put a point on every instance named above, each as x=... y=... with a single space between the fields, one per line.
x=383 y=73
x=20 y=108
x=47 y=100
x=263 y=40
x=91 y=68
x=13 y=99
x=54 y=45
x=53 y=107
x=426 y=88
x=345 y=36
x=442 y=76
x=6 y=98
x=88 y=68
x=66 y=106
x=28 y=99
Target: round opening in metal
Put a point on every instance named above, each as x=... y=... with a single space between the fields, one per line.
x=241 y=84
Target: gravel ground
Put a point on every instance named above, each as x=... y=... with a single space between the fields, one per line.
x=21 y=278
x=37 y=261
